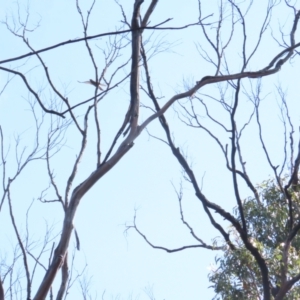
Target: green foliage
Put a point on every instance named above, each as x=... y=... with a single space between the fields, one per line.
x=237 y=275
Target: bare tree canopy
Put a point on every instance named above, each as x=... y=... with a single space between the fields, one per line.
x=204 y=93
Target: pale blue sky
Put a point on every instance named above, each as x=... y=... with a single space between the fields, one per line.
x=142 y=180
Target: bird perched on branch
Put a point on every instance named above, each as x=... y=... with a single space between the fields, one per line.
x=94 y=83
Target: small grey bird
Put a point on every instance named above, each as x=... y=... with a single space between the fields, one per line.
x=94 y=83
